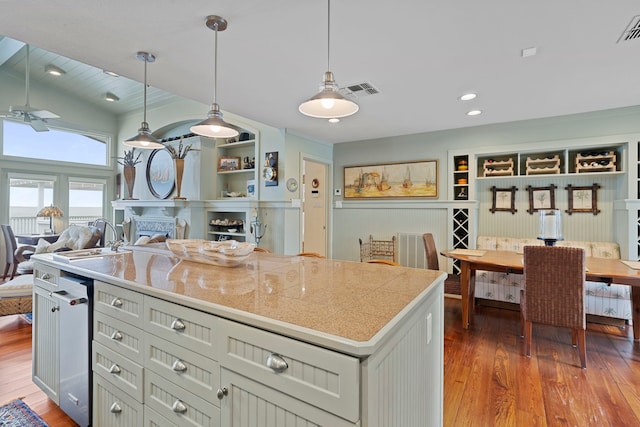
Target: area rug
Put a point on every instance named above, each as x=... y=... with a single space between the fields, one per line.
x=18 y=414
x=28 y=317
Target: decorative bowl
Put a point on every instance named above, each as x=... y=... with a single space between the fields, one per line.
x=229 y=253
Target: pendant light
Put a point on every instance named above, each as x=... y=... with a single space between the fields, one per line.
x=214 y=126
x=328 y=103
x=144 y=139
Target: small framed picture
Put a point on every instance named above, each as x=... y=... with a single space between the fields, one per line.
x=228 y=164
x=504 y=199
x=583 y=199
x=541 y=198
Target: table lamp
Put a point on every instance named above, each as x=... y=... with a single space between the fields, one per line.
x=50 y=211
x=550 y=226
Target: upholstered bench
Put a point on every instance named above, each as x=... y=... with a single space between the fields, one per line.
x=601 y=299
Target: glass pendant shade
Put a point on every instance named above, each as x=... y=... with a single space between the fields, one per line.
x=144 y=139
x=328 y=103
x=214 y=125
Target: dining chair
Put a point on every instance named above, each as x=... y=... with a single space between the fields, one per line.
x=383 y=261
x=553 y=293
x=16 y=295
x=311 y=254
x=13 y=263
x=452 y=282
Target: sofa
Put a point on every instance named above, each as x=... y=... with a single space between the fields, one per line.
x=607 y=300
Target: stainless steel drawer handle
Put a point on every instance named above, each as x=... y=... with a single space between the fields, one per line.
x=277 y=363
x=178 y=366
x=115 y=408
x=178 y=325
x=117 y=303
x=115 y=369
x=116 y=336
x=222 y=392
x=179 y=407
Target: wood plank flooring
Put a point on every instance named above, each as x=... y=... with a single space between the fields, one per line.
x=488 y=381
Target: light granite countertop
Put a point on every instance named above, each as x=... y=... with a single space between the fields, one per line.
x=343 y=305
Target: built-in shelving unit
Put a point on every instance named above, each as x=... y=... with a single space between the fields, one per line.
x=461 y=177
x=235 y=183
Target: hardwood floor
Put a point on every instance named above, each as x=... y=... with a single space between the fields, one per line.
x=15 y=372
x=488 y=381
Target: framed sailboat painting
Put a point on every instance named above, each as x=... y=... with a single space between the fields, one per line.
x=417 y=179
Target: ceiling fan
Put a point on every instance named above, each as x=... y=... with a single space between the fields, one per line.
x=33 y=116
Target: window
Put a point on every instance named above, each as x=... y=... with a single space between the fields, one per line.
x=21 y=140
x=86 y=198
x=27 y=195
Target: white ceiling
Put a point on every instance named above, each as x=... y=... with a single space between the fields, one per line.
x=420 y=54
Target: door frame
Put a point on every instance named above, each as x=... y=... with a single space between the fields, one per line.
x=328 y=164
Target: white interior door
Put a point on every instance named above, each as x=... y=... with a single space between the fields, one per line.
x=314 y=207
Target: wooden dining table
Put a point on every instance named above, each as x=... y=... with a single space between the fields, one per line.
x=606 y=270
x=32 y=239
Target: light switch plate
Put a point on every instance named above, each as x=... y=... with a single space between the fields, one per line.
x=337 y=192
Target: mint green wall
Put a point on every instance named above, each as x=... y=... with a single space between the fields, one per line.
x=386 y=219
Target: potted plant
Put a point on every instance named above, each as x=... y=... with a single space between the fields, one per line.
x=129 y=161
x=178 y=160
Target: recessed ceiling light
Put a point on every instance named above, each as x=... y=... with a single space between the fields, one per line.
x=111 y=73
x=530 y=51
x=111 y=97
x=53 y=70
x=468 y=97
x=474 y=113
x=334 y=120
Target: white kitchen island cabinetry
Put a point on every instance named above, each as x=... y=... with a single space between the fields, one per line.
x=317 y=342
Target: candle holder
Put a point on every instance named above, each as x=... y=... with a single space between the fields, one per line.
x=257 y=228
x=550 y=226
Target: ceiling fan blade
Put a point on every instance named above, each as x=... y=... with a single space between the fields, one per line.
x=44 y=114
x=37 y=124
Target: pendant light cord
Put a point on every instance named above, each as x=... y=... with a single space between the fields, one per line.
x=215 y=65
x=328 y=34
x=144 y=118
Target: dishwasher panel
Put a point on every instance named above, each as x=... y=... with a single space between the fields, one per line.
x=75 y=340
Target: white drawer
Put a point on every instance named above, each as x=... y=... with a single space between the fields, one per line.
x=177 y=404
x=119 y=336
x=180 y=365
x=112 y=407
x=118 y=302
x=183 y=326
x=153 y=419
x=320 y=377
x=120 y=371
x=46 y=277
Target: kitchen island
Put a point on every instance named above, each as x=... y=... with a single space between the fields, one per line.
x=275 y=340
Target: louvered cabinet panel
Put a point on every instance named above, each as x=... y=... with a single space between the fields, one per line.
x=119 y=336
x=321 y=377
x=180 y=365
x=183 y=326
x=118 y=302
x=46 y=354
x=114 y=408
x=178 y=405
x=153 y=419
x=120 y=371
x=251 y=404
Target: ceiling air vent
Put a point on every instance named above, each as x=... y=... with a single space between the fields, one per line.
x=359 y=90
x=632 y=32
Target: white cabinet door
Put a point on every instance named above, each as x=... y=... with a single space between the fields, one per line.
x=46 y=355
x=246 y=403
